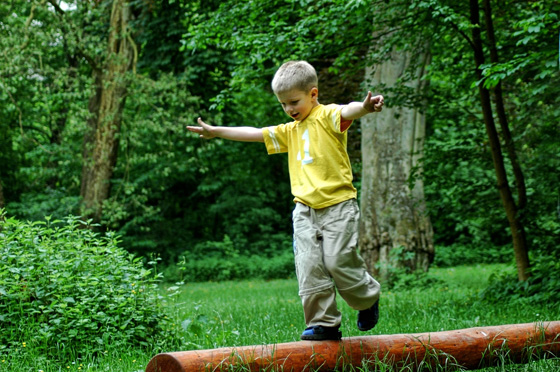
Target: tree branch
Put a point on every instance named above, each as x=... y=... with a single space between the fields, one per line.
x=20 y=119
x=456 y=28
x=62 y=14
x=27 y=24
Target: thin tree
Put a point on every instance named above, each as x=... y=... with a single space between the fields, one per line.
x=511 y=208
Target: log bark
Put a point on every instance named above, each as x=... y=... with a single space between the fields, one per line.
x=470 y=348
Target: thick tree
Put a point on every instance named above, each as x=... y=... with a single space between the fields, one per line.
x=106 y=104
x=394 y=215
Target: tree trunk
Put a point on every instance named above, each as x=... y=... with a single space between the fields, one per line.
x=501 y=113
x=106 y=105
x=516 y=227
x=392 y=198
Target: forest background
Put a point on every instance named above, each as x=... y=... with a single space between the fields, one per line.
x=95 y=97
x=100 y=180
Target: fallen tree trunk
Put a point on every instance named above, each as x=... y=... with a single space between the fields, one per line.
x=470 y=348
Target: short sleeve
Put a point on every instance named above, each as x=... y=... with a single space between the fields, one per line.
x=340 y=125
x=276 y=139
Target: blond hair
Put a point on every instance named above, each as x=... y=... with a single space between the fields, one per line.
x=298 y=75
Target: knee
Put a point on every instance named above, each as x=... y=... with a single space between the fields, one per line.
x=347 y=267
x=363 y=294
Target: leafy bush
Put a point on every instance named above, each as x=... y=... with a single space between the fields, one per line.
x=394 y=275
x=50 y=202
x=460 y=254
x=65 y=289
x=541 y=287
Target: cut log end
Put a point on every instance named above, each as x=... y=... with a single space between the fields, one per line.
x=165 y=362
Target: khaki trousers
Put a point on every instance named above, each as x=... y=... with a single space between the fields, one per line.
x=326 y=256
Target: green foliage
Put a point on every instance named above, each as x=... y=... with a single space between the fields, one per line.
x=61 y=284
x=156 y=159
x=170 y=191
x=262 y=35
x=459 y=186
x=43 y=89
x=54 y=202
x=232 y=266
x=470 y=254
x=535 y=29
x=459 y=181
x=396 y=276
x=540 y=288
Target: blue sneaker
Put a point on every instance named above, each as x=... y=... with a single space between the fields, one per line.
x=367 y=319
x=319 y=333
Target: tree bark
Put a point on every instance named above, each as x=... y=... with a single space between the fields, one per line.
x=106 y=105
x=516 y=226
x=392 y=198
x=502 y=116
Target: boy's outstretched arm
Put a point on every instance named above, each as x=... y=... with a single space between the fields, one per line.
x=246 y=134
x=355 y=110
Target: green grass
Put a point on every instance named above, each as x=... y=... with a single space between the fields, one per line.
x=211 y=315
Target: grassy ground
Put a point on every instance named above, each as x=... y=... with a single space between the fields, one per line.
x=211 y=315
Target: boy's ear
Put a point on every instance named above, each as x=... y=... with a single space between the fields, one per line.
x=314 y=93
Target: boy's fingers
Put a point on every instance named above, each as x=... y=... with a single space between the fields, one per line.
x=378 y=102
x=368 y=99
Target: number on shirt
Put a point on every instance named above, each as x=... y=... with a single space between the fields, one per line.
x=307 y=157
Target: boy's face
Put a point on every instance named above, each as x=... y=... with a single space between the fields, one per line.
x=297 y=103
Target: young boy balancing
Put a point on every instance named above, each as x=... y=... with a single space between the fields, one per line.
x=326 y=214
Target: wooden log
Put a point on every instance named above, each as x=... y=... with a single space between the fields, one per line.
x=470 y=348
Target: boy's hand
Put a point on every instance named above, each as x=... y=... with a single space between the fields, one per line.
x=205 y=131
x=373 y=104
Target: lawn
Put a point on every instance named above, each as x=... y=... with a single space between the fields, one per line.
x=211 y=315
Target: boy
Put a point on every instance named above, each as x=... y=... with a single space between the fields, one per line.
x=326 y=214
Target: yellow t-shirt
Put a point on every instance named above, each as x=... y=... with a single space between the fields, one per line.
x=320 y=170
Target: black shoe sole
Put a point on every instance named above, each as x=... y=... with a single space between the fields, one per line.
x=322 y=337
x=365 y=329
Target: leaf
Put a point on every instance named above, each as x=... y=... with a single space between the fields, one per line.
x=185 y=324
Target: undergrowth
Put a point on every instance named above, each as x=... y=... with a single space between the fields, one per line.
x=67 y=292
